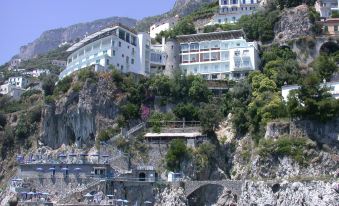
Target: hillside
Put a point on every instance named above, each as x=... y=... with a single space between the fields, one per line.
x=52 y=38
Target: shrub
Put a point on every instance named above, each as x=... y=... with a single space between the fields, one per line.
x=204 y=155
x=34 y=115
x=3 y=120
x=130 y=111
x=49 y=100
x=63 y=85
x=77 y=87
x=187 y=111
x=22 y=129
x=210 y=115
x=285 y=146
x=176 y=153
x=48 y=85
x=87 y=74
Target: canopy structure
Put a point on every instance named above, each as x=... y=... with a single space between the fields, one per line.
x=88 y=195
x=52 y=168
x=95 y=155
x=31 y=193
x=84 y=155
x=105 y=155
x=62 y=155
x=77 y=169
x=39 y=169
x=222 y=35
x=64 y=169
x=72 y=155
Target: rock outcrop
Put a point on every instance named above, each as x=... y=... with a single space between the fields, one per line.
x=293 y=23
x=314 y=193
x=171 y=196
x=77 y=116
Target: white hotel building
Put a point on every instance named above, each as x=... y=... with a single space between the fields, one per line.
x=230 y=11
x=218 y=55
x=118 y=46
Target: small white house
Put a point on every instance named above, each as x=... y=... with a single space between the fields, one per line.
x=12 y=91
x=163 y=26
x=333 y=89
x=37 y=72
x=20 y=82
x=174 y=177
x=59 y=63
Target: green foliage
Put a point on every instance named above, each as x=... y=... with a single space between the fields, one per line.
x=34 y=115
x=176 y=154
x=105 y=135
x=22 y=129
x=210 y=115
x=285 y=146
x=130 y=111
x=293 y=3
x=49 y=100
x=313 y=101
x=325 y=66
x=63 y=85
x=3 y=120
x=278 y=53
x=160 y=85
x=199 y=91
x=283 y=71
x=335 y=14
x=223 y=27
x=156 y=118
x=77 y=86
x=116 y=76
x=204 y=155
x=259 y=26
x=48 y=85
x=30 y=93
x=187 y=111
x=87 y=74
x=45 y=60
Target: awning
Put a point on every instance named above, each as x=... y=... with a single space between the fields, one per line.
x=39 y=169
x=52 y=168
x=65 y=169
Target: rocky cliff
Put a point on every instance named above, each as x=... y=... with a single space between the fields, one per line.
x=51 y=39
x=77 y=116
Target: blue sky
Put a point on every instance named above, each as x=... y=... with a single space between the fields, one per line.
x=22 y=21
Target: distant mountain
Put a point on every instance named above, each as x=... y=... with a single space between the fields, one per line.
x=51 y=39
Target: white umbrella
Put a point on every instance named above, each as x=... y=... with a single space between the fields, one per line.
x=88 y=195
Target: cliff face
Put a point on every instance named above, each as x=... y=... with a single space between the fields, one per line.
x=77 y=116
x=51 y=39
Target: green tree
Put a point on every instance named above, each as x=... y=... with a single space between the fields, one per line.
x=130 y=111
x=210 y=115
x=187 y=111
x=48 y=85
x=176 y=154
x=282 y=71
x=3 y=120
x=325 y=66
x=199 y=91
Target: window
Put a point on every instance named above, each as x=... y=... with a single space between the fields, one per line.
x=246 y=63
x=184 y=47
x=123 y=55
x=134 y=41
x=206 y=57
x=127 y=59
x=335 y=27
x=194 y=47
x=215 y=56
x=252 y=1
x=237 y=53
x=219 y=20
x=194 y=57
x=244 y=1
x=237 y=63
x=119 y=43
x=113 y=52
x=122 y=34
x=105 y=52
x=246 y=53
x=225 y=2
x=107 y=61
x=132 y=61
x=235 y=1
x=97 y=61
x=128 y=37
x=184 y=58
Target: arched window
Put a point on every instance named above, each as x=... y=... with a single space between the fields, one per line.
x=142 y=177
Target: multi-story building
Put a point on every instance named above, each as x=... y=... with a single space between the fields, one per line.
x=230 y=11
x=163 y=26
x=20 y=82
x=332 y=86
x=326 y=7
x=218 y=55
x=118 y=46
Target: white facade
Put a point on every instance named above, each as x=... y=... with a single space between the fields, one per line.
x=218 y=55
x=118 y=46
x=333 y=89
x=174 y=177
x=162 y=26
x=230 y=11
x=325 y=7
x=37 y=72
x=12 y=91
x=20 y=82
